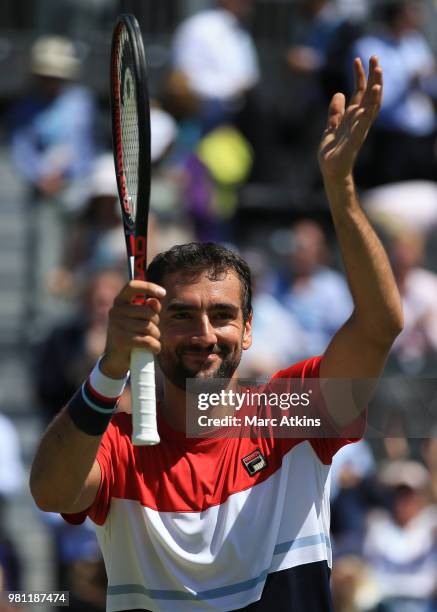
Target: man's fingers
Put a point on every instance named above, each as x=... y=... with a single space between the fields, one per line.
x=375 y=72
x=373 y=103
x=360 y=127
x=336 y=111
x=375 y=79
x=374 y=84
x=137 y=287
x=153 y=304
x=138 y=329
x=360 y=82
x=376 y=95
x=148 y=343
x=352 y=113
x=145 y=313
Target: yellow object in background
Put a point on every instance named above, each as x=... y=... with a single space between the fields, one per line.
x=228 y=157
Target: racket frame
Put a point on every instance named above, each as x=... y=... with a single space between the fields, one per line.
x=135 y=230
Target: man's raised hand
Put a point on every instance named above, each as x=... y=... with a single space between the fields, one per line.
x=132 y=325
x=347 y=128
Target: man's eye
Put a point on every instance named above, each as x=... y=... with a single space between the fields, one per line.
x=180 y=316
x=223 y=316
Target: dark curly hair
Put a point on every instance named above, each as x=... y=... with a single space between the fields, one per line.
x=197 y=257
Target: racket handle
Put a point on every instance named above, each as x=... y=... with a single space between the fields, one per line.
x=142 y=372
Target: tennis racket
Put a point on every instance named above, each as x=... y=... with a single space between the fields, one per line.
x=130 y=114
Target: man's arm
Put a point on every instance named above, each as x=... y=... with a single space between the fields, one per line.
x=65 y=475
x=360 y=348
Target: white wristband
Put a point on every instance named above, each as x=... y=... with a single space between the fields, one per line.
x=105 y=386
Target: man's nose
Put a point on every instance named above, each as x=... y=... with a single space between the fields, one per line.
x=204 y=333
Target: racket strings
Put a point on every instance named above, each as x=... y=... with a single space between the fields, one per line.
x=129 y=121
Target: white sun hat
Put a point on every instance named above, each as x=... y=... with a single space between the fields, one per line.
x=54 y=56
x=164 y=131
x=103 y=181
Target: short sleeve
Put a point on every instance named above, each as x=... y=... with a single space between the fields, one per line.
x=308 y=368
x=325 y=447
x=109 y=457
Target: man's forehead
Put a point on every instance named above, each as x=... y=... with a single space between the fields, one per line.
x=184 y=283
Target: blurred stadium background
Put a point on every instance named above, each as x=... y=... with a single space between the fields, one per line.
x=240 y=167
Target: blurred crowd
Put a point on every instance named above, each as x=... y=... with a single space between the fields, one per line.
x=234 y=162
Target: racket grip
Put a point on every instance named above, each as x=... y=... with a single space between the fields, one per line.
x=142 y=371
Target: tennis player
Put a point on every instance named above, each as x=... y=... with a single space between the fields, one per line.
x=227 y=523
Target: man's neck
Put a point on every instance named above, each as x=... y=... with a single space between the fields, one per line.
x=173 y=408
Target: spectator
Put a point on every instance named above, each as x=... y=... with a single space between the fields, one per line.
x=403 y=143
x=11 y=467
x=164 y=132
x=167 y=178
x=355 y=492
x=79 y=564
x=95 y=239
x=314 y=27
x=313 y=293
x=52 y=136
x=318 y=54
x=351 y=466
x=277 y=336
x=11 y=481
x=205 y=176
x=227 y=158
x=217 y=55
x=429 y=452
x=70 y=348
x=416 y=346
x=392 y=203
x=401 y=545
x=353 y=587
x=170 y=178
x=316 y=62
x=53 y=149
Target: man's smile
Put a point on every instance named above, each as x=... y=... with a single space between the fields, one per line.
x=200 y=355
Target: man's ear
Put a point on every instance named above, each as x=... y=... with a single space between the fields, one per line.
x=247 y=333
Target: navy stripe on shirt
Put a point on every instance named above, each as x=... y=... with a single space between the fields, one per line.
x=304 y=588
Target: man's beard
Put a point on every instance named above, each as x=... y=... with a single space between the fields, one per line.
x=178 y=373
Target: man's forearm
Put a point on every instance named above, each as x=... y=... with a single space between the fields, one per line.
x=62 y=463
x=378 y=307
x=64 y=474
